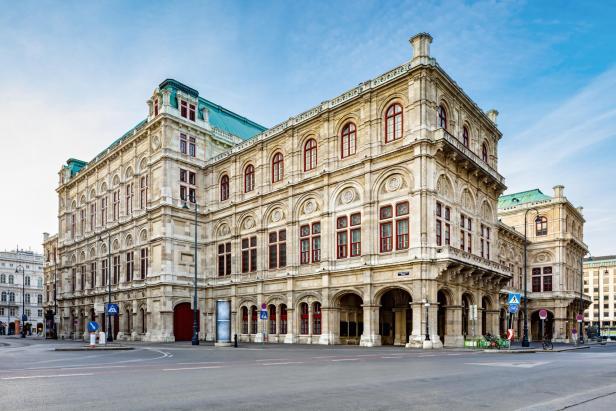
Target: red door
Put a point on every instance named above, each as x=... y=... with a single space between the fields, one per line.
x=183 y=322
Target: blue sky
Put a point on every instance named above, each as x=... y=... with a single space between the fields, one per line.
x=74 y=76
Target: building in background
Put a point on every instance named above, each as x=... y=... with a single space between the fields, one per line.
x=600 y=283
x=51 y=283
x=13 y=282
x=554 y=229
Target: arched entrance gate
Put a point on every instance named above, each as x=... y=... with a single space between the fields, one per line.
x=395 y=317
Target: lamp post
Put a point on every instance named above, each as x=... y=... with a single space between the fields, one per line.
x=23 y=299
x=581 y=305
x=525 y=342
x=195 y=337
x=55 y=291
x=427 y=305
x=109 y=332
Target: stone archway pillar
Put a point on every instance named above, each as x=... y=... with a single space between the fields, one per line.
x=560 y=325
x=370 y=337
x=453 y=327
x=326 y=336
x=435 y=339
x=417 y=335
x=289 y=338
x=492 y=321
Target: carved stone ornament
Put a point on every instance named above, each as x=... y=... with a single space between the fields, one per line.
x=224 y=230
x=155 y=142
x=394 y=183
x=249 y=223
x=348 y=196
x=309 y=207
x=276 y=216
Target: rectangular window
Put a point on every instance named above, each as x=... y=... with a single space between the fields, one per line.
x=249 y=254
x=82 y=220
x=73 y=279
x=104 y=272
x=192 y=147
x=73 y=224
x=183 y=144
x=188 y=180
x=143 y=192
x=187 y=110
x=304 y=244
x=130 y=266
x=116 y=269
x=144 y=263
x=224 y=259
x=316 y=242
x=443 y=226
x=278 y=249
x=129 y=199
x=116 y=205
x=93 y=274
x=82 y=283
x=547 y=278
x=342 y=237
x=155 y=107
x=402 y=226
x=92 y=216
x=466 y=230
x=485 y=241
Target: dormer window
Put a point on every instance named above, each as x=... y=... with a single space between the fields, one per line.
x=187 y=110
x=155 y=107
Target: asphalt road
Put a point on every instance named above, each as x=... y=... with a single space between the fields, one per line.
x=284 y=377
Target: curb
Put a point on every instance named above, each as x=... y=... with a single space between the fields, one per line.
x=535 y=350
x=88 y=348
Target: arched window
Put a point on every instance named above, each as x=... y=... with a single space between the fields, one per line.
x=272 y=319
x=316 y=318
x=310 y=154
x=254 y=319
x=484 y=152
x=249 y=178
x=277 y=167
x=442 y=117
x=244 y=320
x=348 y=141
x=283 y=319
x=11 y=279
x=465 y=136
x=541 y=225
x=303 y=318
x=393 y=123
x=224 y=188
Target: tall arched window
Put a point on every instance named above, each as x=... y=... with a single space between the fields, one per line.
x=303 y=318
x=393 y=123
x=442 y=117
x=541 y=225
x=316 y=318
x=348 y=141
x=484 y=152
x=224 y=188
x=277 y=167
x=310 y=154
x=244 y=320
x=465 y=136
x=249 y=178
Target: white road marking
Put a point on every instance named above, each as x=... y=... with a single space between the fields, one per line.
x=199 y=362
x=273 y=359
x=454 y=354
x=391 y=357
x=46 y=376
x=509 y=364
x=326 y=356
x=193 y=368
x=428 y=355
x=282 y=363
x=345 y=359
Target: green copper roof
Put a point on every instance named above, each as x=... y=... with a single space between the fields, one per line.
x=530 y=196
x=75 y=165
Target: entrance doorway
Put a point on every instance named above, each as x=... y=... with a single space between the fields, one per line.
x=395 y=317
x=441 y=320
x=541 y=329
x=183 y=322
x=351 y=319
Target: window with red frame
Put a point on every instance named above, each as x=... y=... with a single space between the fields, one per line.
x=393 y=123
x=441 y=117
x=155 y=107
x=116 y=205
x=129 y=198
x=277 y=167
x=310 y=155
x=82 y=220
x=249 y=178
x=92 y=216
x=484 y=152
x=254 y=319
x=249 y=254
x=465 y=136
x=130 y=266
x=310 y=243
x=387 y=223
x=316 y=318
x=283 y=319
x=144 y=263
x=348 y=140
x=541 y=226
x=278 y=249
x=303 y=318
x=272 y=319
x=466 y=233
x=192 y=147
x=346 y=231
x=143 y=194
x=244 y=320
x=224 y=188
x=183 y=144
x=187 y=110
x=188 y=190
x=443 y=225
x=224 y=259
x=485 y=241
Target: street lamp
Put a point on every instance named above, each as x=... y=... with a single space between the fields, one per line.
x=109 y=333
x=427 y=305
x=525 y=342
x=195 y=337
x=23 y=299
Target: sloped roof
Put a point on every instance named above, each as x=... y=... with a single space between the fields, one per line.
x=226 y=120
x=530 y=196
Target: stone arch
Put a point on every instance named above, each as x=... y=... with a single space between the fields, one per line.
x=128 y=241
x=348 y=316
x=116 y=180
x=347 y=118
x=444 y=187
x=487 y=212
x=346 y=195
x=82 y=256
x=378 y=294
x=143 y=164
x=143 y=236
x=103 y=188
x=306 y=205
x=222 y=229
x=307 y=296
x=275 y=214
x=115 y=245
x=73 y=205
x=466 y=300
x=393 y=98
x=92 y=252
x=467 y=200
x=247 y=223
x=82 y=200
x=92 y=194
x=395 y=314
x=276 y=298
x=128 y=173
x=536 y=324
x=335 y=299
x=396 y=180
x=542 y=257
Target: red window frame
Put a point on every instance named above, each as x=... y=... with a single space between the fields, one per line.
x=155 y=107
x=310 y=243
x=393 y=123
x=465 y=136
x=484 y=152
x=116 y=269
x=249 y=254
x=277 y=167
x=310 y=155
x=104 y=210
x=485 y=241
x=272 y=319
x=244 y=320
x=249 y=178
x=129 y=198
x=541 y=226
x=443 y=216
x=342 y=237
x=442 y=117
x=130 y=266
x=254 y=319
x=187 y=110
x=316 y=318
x=104 y=272
x=304 y=318
x=224 y=259
x=466 y=233
x=116 y=205
x=348 y=140
x=283 y=319
x=278 y=249
x=224 y=188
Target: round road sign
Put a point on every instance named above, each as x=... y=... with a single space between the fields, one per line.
x=543 y=313
x=579 y=318
x=264 y=306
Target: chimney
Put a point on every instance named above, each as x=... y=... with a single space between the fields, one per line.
x=492 y=115
x=421 y=45
x=558 y=191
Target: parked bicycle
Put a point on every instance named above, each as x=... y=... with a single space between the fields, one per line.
x=547 y=343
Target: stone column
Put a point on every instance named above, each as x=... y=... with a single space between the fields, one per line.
x=400 y=326
x=560 y=324
x=370 y=336
x=418 y=332
x=433 y=327
x=278 y=322
x=326 y=336
x=289 y=338
x=453 y=327
x=492 y=321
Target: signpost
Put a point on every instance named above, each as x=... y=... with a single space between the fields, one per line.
x=113 y=310
x=579 y=318
x=513 y=301
x=263 y=316
x=514 y=298
x=92 y=328
x=514 y=308
x=543 y=314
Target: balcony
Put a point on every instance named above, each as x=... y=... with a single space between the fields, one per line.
x=467 y=260
x=462 y=155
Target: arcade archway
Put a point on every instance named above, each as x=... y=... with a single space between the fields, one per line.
x=395 y=317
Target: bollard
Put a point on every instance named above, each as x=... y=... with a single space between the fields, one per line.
x=235 y=340
x=92 y=340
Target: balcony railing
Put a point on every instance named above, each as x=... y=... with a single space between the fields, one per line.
x=449 y=252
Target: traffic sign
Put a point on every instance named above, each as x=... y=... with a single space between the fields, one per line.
x=263 y=306
x=24 y=318
x=514 y=298
x=113 y=310
x=579 y=318
x=92 y=326
x=514 y=308
x=543 y=313
x=263 y=315
x=574 y=331
x=510 y=334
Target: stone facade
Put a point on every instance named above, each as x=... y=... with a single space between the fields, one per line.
x=600 y=283
x=370 y=219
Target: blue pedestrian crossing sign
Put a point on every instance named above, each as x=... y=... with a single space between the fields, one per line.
x=113 y=309
x=514 y=299
x=263 y=315
x=92 y=326
x=514 y=308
